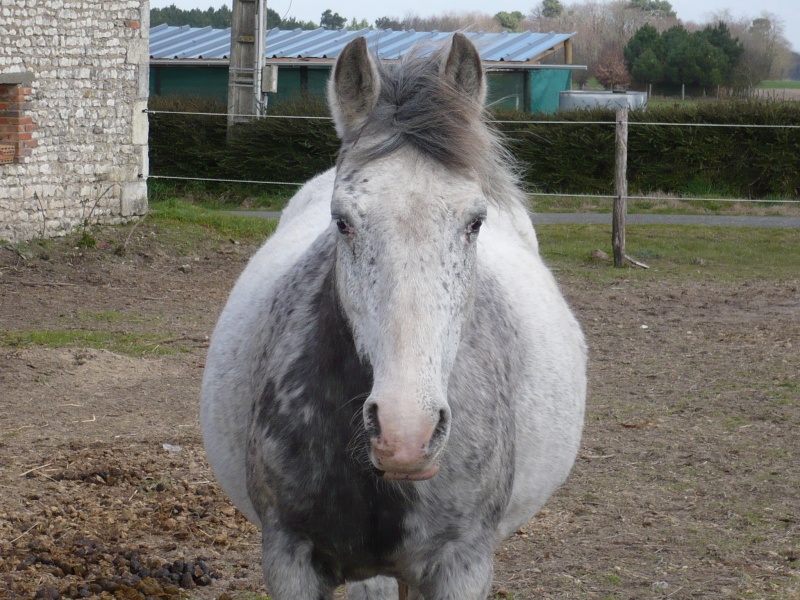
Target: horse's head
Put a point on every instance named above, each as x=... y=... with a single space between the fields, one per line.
x=408 y=205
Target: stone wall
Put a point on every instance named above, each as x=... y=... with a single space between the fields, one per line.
x=73 y=126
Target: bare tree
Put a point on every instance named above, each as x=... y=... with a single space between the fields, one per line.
x=453 y=21
x=610 y=69
x=599 y=25
x=769 y=45
x=767 y=52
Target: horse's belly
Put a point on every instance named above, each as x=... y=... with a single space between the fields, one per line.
x=551 y=385
x=227 y=391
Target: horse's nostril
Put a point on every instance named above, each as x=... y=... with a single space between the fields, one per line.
x=371 y=422
x=444 y=418
x=442 y=427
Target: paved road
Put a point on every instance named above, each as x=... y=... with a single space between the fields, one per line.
x=634 y=219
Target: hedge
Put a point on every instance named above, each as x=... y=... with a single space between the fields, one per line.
x=556 y=157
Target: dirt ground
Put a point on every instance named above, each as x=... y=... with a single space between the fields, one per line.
x=687 y=485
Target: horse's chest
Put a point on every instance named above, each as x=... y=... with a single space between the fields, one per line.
x=307 y=462
x=322 y=484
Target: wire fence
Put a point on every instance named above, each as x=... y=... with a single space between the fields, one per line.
x=651 y=198
x=679 y=198
x=256 y=117
x=498 y=121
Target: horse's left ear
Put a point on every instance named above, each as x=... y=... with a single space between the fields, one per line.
x=354 y=87
x=463 y=68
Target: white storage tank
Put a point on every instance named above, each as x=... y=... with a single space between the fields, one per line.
x=571 y=100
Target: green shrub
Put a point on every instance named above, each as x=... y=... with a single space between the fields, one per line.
x=743 y=161
x=186 y=145
x=282 y=149
x=570 y=158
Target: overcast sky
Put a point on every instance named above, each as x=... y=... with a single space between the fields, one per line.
x=688 y=10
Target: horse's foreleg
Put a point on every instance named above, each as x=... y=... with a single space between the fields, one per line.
x=288 y=568
x=463 y=572
x=377 y=588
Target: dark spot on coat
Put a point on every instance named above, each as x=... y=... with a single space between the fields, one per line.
x=325 y=488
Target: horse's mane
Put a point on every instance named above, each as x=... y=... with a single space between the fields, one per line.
x=417 y=107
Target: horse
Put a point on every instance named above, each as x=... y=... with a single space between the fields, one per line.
x=396 y=382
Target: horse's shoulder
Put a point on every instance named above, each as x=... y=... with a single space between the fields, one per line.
x=305 y=217
x=315 y=192
x=534 y=299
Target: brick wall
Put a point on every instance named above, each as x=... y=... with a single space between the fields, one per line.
x=73 y=131
x=16 y=126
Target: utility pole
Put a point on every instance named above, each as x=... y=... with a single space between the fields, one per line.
x=248 y=39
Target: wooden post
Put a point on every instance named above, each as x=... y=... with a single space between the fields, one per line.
x=241 y=76
x=620 y=188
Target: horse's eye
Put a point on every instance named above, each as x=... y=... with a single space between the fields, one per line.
x=475 y=226
x=343 y=226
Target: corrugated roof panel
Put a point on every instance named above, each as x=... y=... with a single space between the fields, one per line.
x=497 y=47
x=523 y=46
x=536 y=47
x=295 y=46
x=211 y=48
x=279 y=36
x=184 y=36
x=164 y=37
x=168 y=42
x=391 y=44
x=402 y=47
x=330 y=47
x=189 y=42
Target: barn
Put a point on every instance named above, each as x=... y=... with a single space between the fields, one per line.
x=189 y=61
x=73 y=127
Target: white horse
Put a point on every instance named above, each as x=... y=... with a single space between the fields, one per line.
x=396 y=382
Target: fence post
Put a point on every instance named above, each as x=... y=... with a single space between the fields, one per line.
x=620 y=188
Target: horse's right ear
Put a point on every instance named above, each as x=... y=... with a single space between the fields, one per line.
x=353 y=90
x=463 y=68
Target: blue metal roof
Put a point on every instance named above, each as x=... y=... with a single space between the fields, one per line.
x=186 y=42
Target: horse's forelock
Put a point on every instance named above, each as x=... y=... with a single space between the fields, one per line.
x=418 y=107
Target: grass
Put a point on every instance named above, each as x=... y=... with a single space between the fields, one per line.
x=718 y=253
x=190 y=219
x=228 y=196
x=612 y=579
x=183 y=227
x=121 y=343
x=779 y=85
x=691 y=251
x=723 y=253
x=710 y=204
x=659 y=101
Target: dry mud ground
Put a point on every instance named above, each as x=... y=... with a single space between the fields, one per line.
x=687 y=485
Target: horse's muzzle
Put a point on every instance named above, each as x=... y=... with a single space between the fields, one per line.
x=418 y=476
x=406 y=446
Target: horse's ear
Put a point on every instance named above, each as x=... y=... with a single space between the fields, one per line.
x=463 y=68
x=353 y=90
